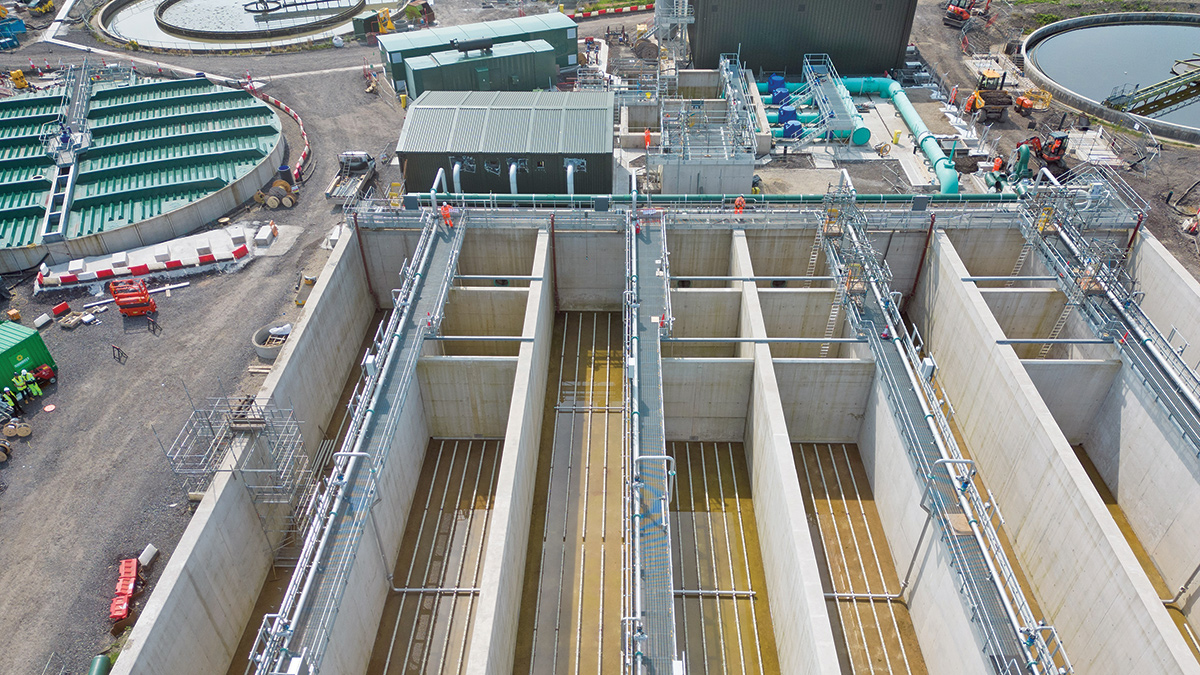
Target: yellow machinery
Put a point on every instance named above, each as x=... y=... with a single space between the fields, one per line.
x=385 y=22
x=43 y=8
x=18 y=79
x=3 y=12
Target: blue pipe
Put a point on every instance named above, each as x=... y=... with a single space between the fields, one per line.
x=886 y=87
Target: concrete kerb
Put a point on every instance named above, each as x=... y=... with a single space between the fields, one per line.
x=1177 y=132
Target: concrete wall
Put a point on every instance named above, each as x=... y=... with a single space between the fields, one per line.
x=1172 y=294
x=485 y=310
x=313 y=364
x=942 y=624
x=1025 y=313
x=383 y=252
x=1071 y=390
x=590 y=268
x=1076 y=560
x=823 y=399
x=799 y=312
x=467 y=396
x=353 y=632
x=699 y=253
x=705 y=399
x=494 y=635
x=798 y=611
x=1155 y=475
x=208 y=589
x=988 y=252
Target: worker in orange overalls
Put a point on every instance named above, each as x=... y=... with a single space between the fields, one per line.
x=739 y=204
x=446 y=215
x=647 y=138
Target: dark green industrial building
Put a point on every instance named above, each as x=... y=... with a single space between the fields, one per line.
x=484 y=142
x=864 y=37
x=509 y=66
x=557 y=29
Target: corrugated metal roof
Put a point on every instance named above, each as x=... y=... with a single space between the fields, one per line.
x=505 y=27
x=439 y=59
x=546 y=122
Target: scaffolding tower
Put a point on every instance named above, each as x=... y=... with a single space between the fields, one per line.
x=263 y=446
x=671 y=19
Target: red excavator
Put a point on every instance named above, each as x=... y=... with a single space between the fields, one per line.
x=958 y=12
x=1051 y=150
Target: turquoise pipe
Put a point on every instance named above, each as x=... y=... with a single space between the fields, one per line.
x=804 y=118
x=889 y=88
x=588 y=201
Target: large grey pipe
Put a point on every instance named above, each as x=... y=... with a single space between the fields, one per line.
x=512 y=178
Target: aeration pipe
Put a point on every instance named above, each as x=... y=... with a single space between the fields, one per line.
x=512 y=178
x=457 y=174
x=571 y=179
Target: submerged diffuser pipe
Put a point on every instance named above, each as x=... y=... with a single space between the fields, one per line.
x=889 y=88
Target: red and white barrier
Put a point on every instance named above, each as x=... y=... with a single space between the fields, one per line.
x=299 y=169
x=611 y=10
x=46 y=279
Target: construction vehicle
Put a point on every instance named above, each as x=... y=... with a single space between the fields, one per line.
x=132 y=298
x=17 y=77
x=355 y=171
x=990 y=99
x=1051 y=150
x=959 y=12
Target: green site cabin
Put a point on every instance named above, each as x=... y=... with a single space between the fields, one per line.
x=22 y=349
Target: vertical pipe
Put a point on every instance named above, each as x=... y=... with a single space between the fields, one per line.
x=571 y=180
x=512 y=178
x=457 y=175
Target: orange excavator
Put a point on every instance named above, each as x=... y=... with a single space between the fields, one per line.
x=1050 y=150
x=958 y=12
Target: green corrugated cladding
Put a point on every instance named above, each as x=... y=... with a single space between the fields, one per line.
x=22 y=349
x=557 y=29
x=512 y=66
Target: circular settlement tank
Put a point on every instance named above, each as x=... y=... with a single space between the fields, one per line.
x=170 y=23
x=1095 y=57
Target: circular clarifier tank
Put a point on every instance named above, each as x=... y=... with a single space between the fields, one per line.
x=167 y=23
x=1108 y=56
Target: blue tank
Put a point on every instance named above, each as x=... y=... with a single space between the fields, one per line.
x=775 y=82
x=779 y=95
x=787 y=113
x=793 y=129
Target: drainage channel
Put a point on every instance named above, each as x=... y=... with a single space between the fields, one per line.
x=427 y=618
x=723 y=621
x=573 y=593
x=876 y=634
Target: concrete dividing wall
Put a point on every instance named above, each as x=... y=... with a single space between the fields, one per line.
x=798 y=312
x=1082 y=571
x=1072 y=391
x=361 y=606
x=590 y=268
x=798 y=610
x=467 y=396
x=383 y=252
x=482 y=310
x=699 y=253
x=1155 y=475
x=494 y=635
x=1172 y=294
x=783 y=252
x=196 y=614
x=942 y=624
x=705 y=399
x=988 y=252
x=507 y=252
x=705 y=312
x=1025 y=313
x=823 y=399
